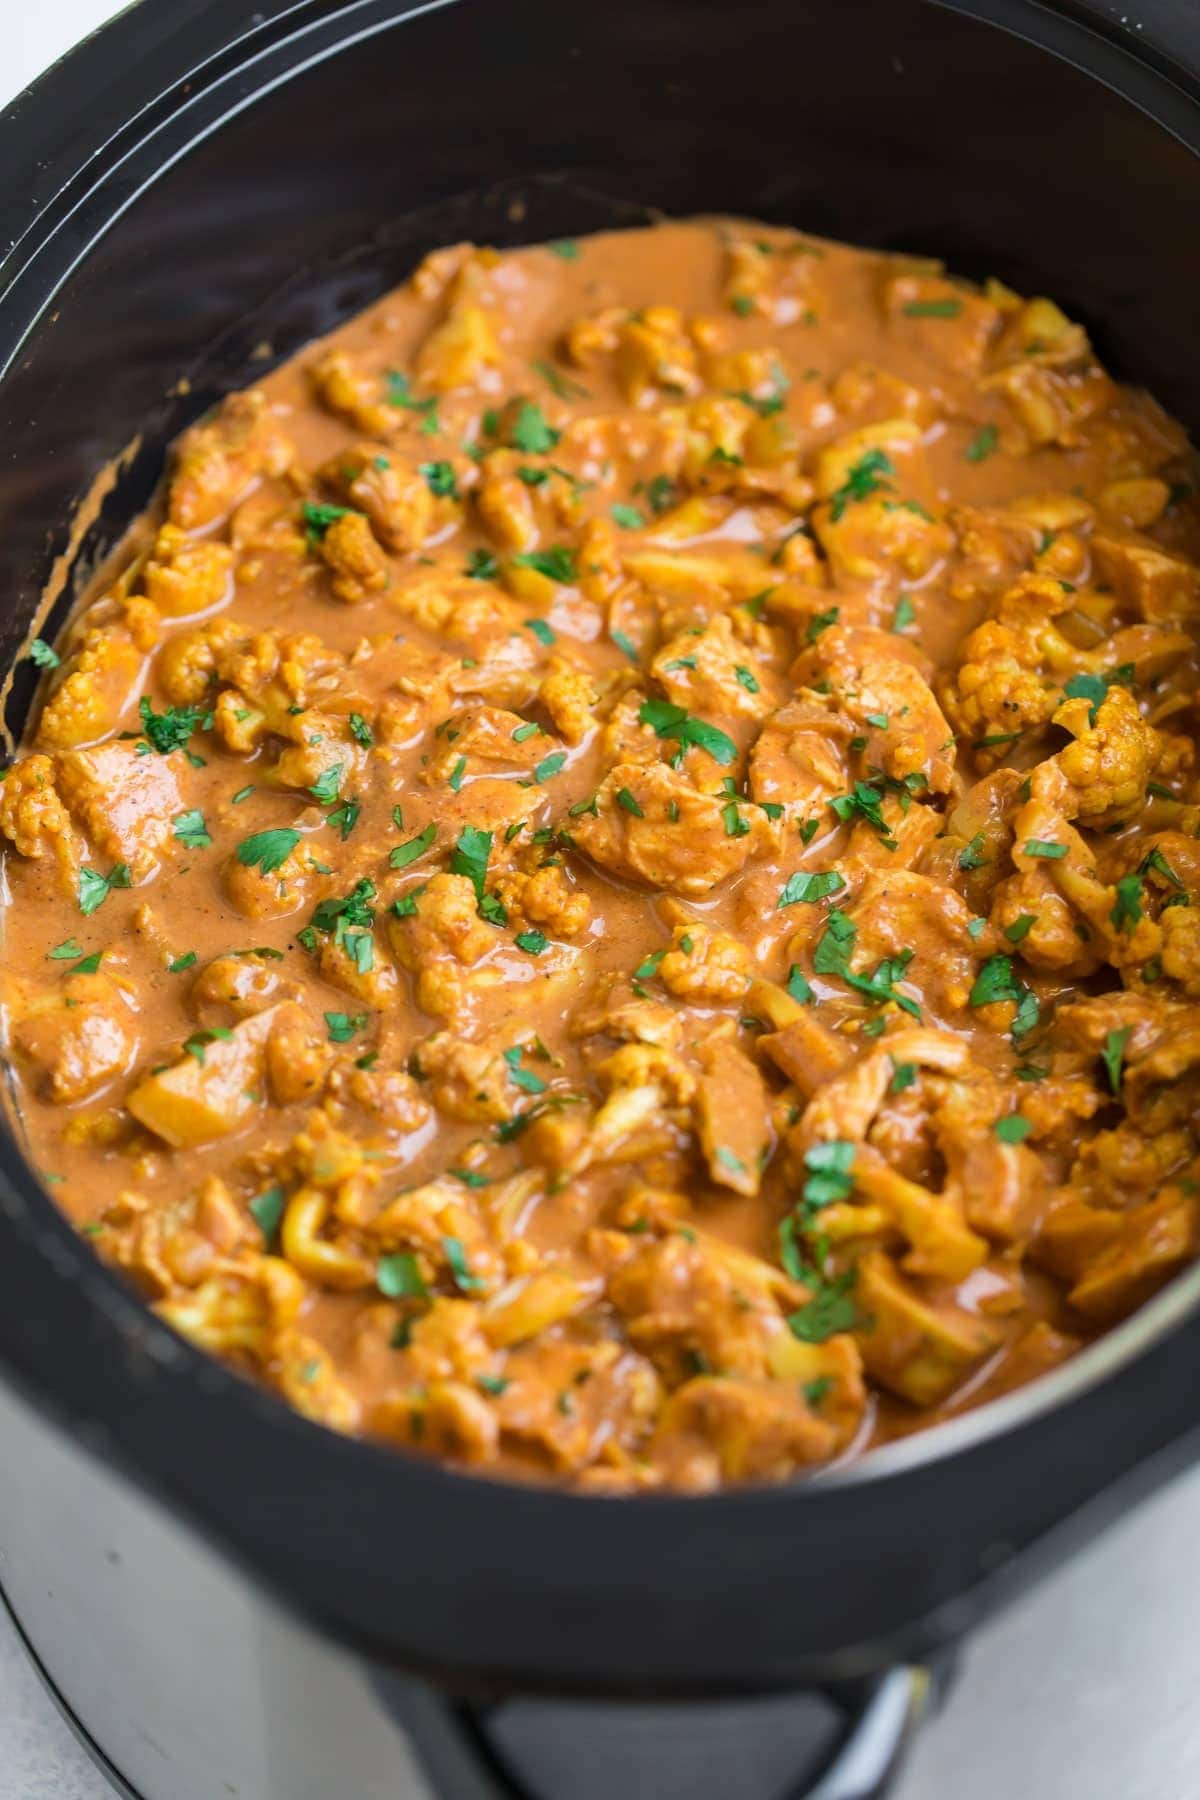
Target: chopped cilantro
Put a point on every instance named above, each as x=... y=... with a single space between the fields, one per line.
x=995 y=981
x=319 y=516
x=95 y=888
x=810 y=888
x=1045 y=848
x=629 y=803
x=549 y=765
x=541 y=631
x=972 y=856
x=1113 y=1056
x=179 y=963
x=1012 y=1129
x=342 y=1026
x=627 y=516
x=439 y=477
x=797 y=985
x=982 y=445
x=325 y=788
x=532 y=942
x=360 y=731
x=669 y=721
x=266 y=1209
x=556 y=564
x=171 y=729
x=864 y=478
x=1128 y=908
x=531 y=431
x=482 y=566
x=821 y=622
x=457 y=773
x=905 y=613
x=1020 y=928
x=41 y=653
x=932 y=309
x=399 y=1277
x=903 y=1076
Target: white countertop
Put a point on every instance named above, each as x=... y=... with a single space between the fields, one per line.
x=1089 y=1689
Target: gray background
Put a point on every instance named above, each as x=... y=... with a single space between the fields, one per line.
x=1087 y=1690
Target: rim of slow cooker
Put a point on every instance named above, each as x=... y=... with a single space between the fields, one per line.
x=62 y=1271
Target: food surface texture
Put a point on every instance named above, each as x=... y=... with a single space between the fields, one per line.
x=604 y=888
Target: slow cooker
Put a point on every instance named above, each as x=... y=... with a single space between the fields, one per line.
x=229 y=1600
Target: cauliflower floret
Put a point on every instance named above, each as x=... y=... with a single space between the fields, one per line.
x=472 y=1081
x=96 y=683
x=353 y=396
x=568 y=695
x=34 y=818
x=357 y=565
x=186 y=667
x=1011 y=668
x=390 y=491
x=1114 y=754
x=218 y=459
x=705 y=966
x=186 y=576
x=546 y=897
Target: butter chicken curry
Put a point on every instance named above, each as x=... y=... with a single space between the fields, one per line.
x=609 y=885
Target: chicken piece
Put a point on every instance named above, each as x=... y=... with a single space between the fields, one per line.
x=389 y=490
x=1055 y=885
x=244 y=1312
x=488 y=737
x=34 y=819
x=806 y=1051
x=505 y=507
x=77 y=1039
x=685 y=1301
x=446 y=923
x=185 y=575
x=704 y=966
x=93 y=688
x=570 y=1404
x=215 y=1089
x=1150 y=1244
x=125 y=803
x=343 y=389
x=800 y=758
x=471 y=1081
x=915 y=1348
x=356 y=961
x=710 y=673
x=612 y=1009
x=879 y=539
x=219 y=459
x=775 y=279
x=671 y=837
x=996 y=545
x=463 y=350
x=732 y=1118
x=943 y=319
x=898 y=911
x=714 y=1429
x=971 y=854
x=874 y=681
x=1161 y=587
x=358 y=568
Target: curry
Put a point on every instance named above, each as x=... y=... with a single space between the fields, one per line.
x=606 y=888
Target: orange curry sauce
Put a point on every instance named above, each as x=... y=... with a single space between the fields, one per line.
x=607 y=889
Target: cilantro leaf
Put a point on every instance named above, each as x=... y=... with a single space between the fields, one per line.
x=268 y=850
x=171 y=729
x=1113 y=1056
x=407 y=853
x=556 y=564
x=864 y=478
x=95 y=888
x=190 y=829
x=810 y=888
x=668 y=721
x=531 y=431
x=43 y=655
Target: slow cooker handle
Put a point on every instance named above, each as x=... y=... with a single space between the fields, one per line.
x=466 y=1753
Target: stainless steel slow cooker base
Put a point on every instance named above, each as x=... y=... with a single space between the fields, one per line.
x=192 y=1682
x=187 y=1683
